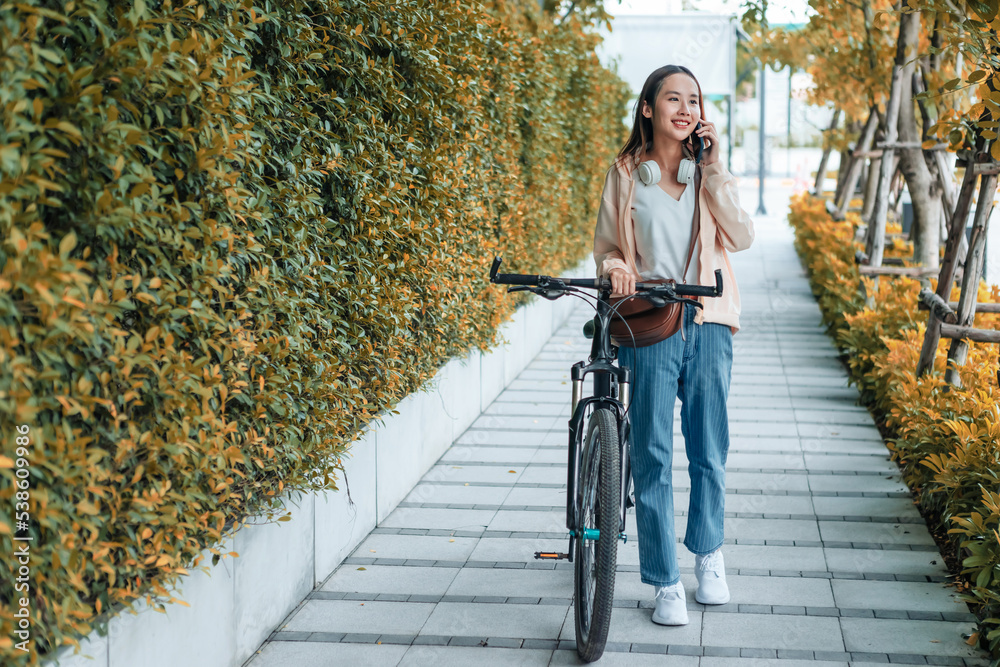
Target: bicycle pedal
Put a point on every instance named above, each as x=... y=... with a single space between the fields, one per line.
x=550 y=555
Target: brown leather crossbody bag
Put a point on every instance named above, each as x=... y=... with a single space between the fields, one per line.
x=638 y=323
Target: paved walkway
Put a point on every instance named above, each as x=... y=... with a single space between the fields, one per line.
x=828 y=561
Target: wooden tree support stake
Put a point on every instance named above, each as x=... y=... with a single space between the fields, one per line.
x=910 y=271
x=938 y=306
x=854 y=169
x=821 y=174
x=980 y=307
x=862 y=259
x=960 y=334
x=946 y=276
x=986 y=169
x=959 y=350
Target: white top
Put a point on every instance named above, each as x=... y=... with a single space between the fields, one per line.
x=663 y=232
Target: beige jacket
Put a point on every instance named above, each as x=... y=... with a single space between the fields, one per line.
x=724 y=226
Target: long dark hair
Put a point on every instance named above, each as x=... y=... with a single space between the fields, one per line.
x=640 y=141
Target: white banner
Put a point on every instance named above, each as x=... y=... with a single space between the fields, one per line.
x=704 y=43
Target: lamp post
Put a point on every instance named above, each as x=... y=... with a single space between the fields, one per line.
x=761 y=171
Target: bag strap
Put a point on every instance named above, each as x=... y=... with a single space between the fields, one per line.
x=695 y=223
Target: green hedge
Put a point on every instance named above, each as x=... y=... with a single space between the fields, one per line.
x=235 y=233
x=945 y=439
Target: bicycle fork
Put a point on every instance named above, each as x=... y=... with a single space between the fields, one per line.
x=604 y=397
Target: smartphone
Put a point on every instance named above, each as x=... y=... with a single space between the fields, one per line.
x=697 y=144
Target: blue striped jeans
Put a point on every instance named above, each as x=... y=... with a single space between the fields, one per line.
x=697 y=369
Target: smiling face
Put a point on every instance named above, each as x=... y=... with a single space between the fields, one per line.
x=676 y=109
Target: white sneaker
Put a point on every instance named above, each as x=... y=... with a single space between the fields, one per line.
x=671 y=605
x=711 y=573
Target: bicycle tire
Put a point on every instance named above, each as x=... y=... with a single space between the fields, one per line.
x=595 y=561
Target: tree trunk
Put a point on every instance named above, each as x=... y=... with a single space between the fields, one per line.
x=959 y=350
x=946 y=276
x=863 y=145
x=871 y=185
x=821 y=173
x=924 y=187
x=850 y=128
x=876 y=230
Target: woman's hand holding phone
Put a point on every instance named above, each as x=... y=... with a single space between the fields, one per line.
x=708 y=133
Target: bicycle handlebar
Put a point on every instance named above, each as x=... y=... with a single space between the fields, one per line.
x=560 y=284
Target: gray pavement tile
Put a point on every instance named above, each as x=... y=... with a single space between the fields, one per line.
x=847 y=403
x=756 y=503
x=817 y=463
x=739 y=556
x=360 y=617
x=768 y=482
x=490 y=474
x=636 y=626
x=525 y=396
x=904 y=636
x=858 y=417
x=766 y=591
x=790 y=461
x=839 y=430
x=516 y=423
x=626 y=659
x=545 y=474
x=752 y=443
x=387 y=579
x=764 y=429
x=767 y=415
x=414 y=546
x=529 y=496
x=459 y=455
x=763 y=391
x=649 y=648
x=768 y=529
x=447 y=519
x=470 y=619
x=764 y=662
x=878 y=560
x=772 y=631
x=513 y=583
x=877 y=533
x=524 y=409
x=449 y=493
x=296 y=654
x=874 y=507
x=748 y=401
x=483 y=436
x=863 y=483
x=555 y=455
x=497 y=549
x=896 y=595
x=542 y=522
x=457 y=656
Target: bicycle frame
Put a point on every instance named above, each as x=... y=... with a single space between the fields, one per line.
x=611 y=390
x=611 y=384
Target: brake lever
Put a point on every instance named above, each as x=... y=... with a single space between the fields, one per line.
x=550 y=294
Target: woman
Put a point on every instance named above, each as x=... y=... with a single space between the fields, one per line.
x=644 y=232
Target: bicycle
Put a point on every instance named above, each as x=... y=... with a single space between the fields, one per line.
x=598 y=472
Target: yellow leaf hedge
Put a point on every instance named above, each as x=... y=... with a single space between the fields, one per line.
x=946 y=440
x=234 y=233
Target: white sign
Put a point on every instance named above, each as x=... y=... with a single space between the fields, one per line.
x=704 y=43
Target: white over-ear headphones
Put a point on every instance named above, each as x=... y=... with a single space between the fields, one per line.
x=649 y=172
x=685 y=171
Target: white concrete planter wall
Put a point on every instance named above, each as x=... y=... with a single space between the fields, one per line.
x=239 y=603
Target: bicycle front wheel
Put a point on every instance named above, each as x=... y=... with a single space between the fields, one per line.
x=595 y=560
